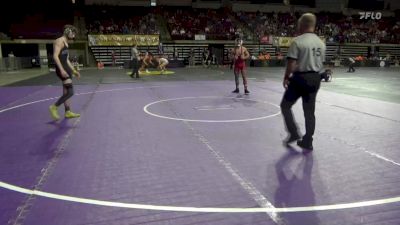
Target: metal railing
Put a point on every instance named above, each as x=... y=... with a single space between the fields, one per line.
x=18 y=63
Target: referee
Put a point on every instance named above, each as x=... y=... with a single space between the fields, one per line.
x=135 y=57
x=305 y=59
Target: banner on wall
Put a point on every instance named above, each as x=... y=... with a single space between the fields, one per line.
x=123 y=40
x=286 y=41
x=200 y=37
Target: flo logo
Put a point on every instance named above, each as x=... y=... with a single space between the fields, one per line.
x=372 y=15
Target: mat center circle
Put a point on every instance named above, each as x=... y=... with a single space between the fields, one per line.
x=212 y=109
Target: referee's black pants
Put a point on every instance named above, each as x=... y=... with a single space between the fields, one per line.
x=351 y=67
x=135 y=68
x=306 y=86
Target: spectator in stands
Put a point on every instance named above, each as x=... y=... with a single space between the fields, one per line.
x=359 y=58
x=214 y=60
x=206 y=58
x=113 y=57
x=267 y=56
x=100 y=65
x=121 y=22
x=182 y=32
x=279 y=56
x=396 y=61
x=11 y=61
x=261 y=56
x=160 y=48
x=184 y=24
x=125 y=29
x=388 y=57
x=4 y=36
x=175 y=54
x=191 y=58
x=75 y=62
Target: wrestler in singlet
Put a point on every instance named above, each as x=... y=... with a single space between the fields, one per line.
x=240 y=54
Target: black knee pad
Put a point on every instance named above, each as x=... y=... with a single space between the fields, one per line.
x=70 y=89
x=67 y=85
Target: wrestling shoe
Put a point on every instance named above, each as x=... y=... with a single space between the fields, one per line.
x=70 y=114
x=53 y=112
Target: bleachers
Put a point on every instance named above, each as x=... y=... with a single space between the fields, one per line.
x=353 y=51
x=253 y=49
x=215 y=24
x=331 y=51
x=393 y=50
x=182 y=51
x=123 y=53
x=103 y=54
